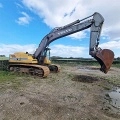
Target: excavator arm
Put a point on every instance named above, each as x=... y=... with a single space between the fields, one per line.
x=94 y=22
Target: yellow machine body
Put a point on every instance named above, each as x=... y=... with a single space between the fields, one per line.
x=47 y=61
x=25 y=58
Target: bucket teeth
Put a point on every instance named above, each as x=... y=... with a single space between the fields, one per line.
x=105 y=58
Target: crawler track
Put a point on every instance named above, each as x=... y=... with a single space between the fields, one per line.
x=37 y=70
x=54 y=68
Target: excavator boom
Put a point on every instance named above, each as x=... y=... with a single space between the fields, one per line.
x=94 y=22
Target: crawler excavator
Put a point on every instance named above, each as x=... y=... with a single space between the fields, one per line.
x=39 y=64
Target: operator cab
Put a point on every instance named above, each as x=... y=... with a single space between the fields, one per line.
x=46 y=55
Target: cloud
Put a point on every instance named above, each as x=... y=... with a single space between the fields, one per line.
x=6 y=49
x=18 y=5
x=25 y=19
x=54 y=13
x=79 y=51
x=56 y=50
x=69 y=51
x=112 y=45
x=60 y=49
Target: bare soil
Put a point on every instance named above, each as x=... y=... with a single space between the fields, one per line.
x=75 y=93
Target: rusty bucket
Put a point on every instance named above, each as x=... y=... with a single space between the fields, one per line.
x=105 y=58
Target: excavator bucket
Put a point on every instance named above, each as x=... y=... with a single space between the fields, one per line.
x=105 y=58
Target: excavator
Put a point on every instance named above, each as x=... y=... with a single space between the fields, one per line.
x=39 y=62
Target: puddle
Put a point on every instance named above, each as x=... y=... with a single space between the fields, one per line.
x=114 y=98
x=112 y=103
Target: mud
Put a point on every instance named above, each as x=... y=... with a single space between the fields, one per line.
x=85 y=78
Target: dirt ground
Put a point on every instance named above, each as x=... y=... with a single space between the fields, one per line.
x=75 y=93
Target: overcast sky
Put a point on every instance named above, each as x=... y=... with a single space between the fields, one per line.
x=23 y=24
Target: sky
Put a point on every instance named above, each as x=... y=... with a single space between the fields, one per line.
x=24 y=23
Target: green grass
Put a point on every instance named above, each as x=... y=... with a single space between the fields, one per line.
x=115 y=79
x=6 y=76
x=4 y=58
x=116 y=65
x=9 y=80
